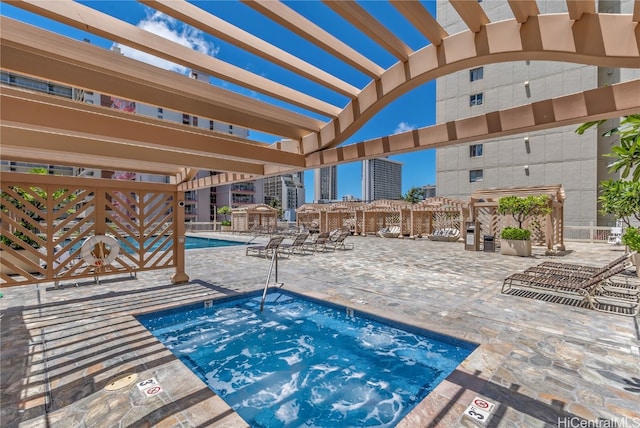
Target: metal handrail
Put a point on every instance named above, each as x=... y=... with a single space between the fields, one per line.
x=274 y=263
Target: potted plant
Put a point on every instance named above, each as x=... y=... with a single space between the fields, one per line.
x=225 y=225
x=517 y=240
x=631 y=238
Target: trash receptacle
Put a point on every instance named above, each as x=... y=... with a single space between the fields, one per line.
x=489 y=245
x=472 y=237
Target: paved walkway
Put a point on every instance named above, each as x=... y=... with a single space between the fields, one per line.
x=72 y=357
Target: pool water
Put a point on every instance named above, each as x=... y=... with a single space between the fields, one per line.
x=129 y=245
x=193 y=242
x=302 y=363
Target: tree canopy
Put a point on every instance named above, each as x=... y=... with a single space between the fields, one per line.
x=620 y=198
x=627 y=153
x=414 y=195
x=521 y=208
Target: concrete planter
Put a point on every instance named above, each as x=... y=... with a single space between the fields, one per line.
x=513 y=247
x=225 y=228
x=10 y=258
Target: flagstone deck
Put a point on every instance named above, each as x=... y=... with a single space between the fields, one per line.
x=72 y=357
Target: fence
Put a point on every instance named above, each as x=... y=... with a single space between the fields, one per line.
x=587 y=233
x=63 y=228
x=202 y=226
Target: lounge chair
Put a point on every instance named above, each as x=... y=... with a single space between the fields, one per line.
x=338 y=243
x=586 y=268
x=592 y=292
x=318 y=244
x=447 y=235
x=266 y=250
x=389 y=232
x=297 y=245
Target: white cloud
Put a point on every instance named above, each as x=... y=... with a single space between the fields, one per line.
x=403 y=127
x=171 y=29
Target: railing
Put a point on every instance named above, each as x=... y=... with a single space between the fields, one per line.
x=202 y=226
x=587 y=233
x=272 y=268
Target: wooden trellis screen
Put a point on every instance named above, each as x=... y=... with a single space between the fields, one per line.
x=439 y=213
x=413 y=219
x=341 y=215
x=384 y=213
x=258 y=217
x=549 y=230
x=59 y=213
x=310 y=216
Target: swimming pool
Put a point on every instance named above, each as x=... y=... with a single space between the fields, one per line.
x=303 y=363
x=130 y=245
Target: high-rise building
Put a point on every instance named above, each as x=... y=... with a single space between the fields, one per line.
x=548 y=157
x=326 y=184
x=381 y=179
x=429 y=190
x=288 y=189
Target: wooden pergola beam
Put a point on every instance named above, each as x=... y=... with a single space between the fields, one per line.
x=114 y=154
x=471 y=13
x=370 y=26
x=39 y=53
x=602 y=103
x=90 y=20
x=290 y=19
x=198 y=18
x=523 y=9
x=419 y=17
x=67 y=116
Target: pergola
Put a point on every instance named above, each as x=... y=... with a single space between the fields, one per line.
x=255 y=217
x=383 y=213
x=438 y=213
x=310 y=216
x=549 y=230
x=311 y=131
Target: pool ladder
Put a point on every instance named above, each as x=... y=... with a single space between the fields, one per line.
x=272 y=268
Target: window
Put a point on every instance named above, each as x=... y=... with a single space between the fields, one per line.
x=186 y=118
x=475 y=99
x=475 y=175
x=211 y=125
x=475 y=150
x=476 y=74
x=194 y=121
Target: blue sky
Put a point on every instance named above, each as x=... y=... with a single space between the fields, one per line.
x=414 y=110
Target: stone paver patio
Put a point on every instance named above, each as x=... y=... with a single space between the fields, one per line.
x=71 y=357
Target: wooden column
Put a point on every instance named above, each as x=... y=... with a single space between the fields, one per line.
x=178 y=244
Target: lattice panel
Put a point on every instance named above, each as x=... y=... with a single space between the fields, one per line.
x=338 y=220
x=421 y=223
x=446 y=220
x=58 y=219
x=489 y=222
x=309 y=220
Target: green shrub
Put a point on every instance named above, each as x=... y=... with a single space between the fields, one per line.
x=225 y=223
x=631 y=238
x=515 y=233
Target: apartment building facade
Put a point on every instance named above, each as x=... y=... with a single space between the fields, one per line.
x=381 y=179
x=325 y=182
x=554 y=156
